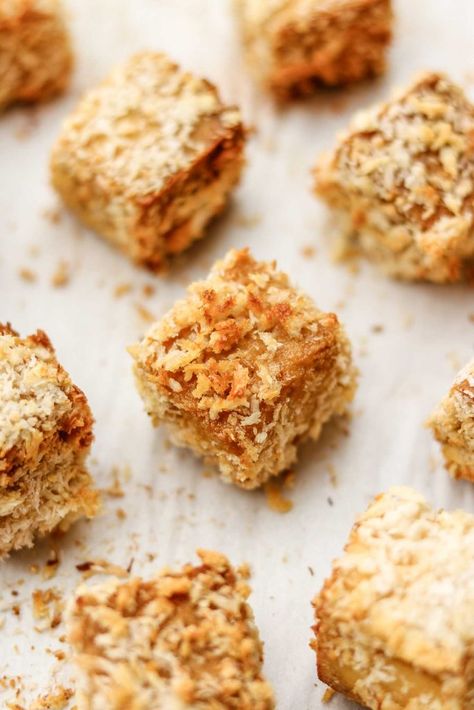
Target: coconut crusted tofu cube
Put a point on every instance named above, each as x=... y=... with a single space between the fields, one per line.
x=294 y=45
x=245 y=368
x=453 y=425
x=184 y=639
x=149 y=157
x=35 y=52
x=402 y=180
x=45 y=436
x=395 y=623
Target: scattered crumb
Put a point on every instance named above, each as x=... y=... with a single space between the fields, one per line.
x=120 y=513
x=275 y=499
x=53 y=701
x=47 y=608
x=308 y=251
x=121 y=289
x=329 y=693
x=61 y=276
x=27 y=274
x=52 y=214
x=148 y=290
x=115 y=490
x=51 y=566
x=471 y=317
x=93 y=567
x=332 y=475
x=377 y=328
x=144 y=313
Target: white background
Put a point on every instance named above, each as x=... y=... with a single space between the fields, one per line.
x=405 y=369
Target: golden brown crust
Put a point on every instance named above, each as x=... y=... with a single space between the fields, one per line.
x=184 y=639
x=244 y=369
x=296 y=45
x=45 y=436
x=402 y=182
x=35 y=52
x=394 y=621
x=149 y=157
x=453 y=425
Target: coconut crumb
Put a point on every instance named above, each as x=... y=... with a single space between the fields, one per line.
x=148 y=290
x=122 y=289
x=27 y=274
x=47 y=608
x=275 y=499
x=61 y=276
x=308 y=251
x=94 y=567
x=144 y=313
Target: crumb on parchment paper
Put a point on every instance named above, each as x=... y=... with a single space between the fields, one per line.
x=27 y=275
x=89 y=568
x=62 y=275
x=275 y=499
x=122 y=289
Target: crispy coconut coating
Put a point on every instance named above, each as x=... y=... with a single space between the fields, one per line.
x=184 y=639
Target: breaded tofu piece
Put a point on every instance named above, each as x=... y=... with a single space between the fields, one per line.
x=453 y=425
x=183 y=639
x=35 y=51
x=294 y=46
x=244 y=369
x=149 y=157
x=394 y=622
x=401 y=182
x=45 y=436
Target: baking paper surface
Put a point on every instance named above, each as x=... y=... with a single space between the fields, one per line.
x=409 y=340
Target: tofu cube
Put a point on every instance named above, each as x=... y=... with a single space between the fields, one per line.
x=35 y=51
x=401 y=181
x=244 y=369
x=296 y=45
x=183 y=639
x=148 y=158
x=453 y=425
x=394 y=621
x=45 y=436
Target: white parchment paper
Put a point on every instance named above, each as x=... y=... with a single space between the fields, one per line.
x=171 y=508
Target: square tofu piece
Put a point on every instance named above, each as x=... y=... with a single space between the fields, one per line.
x=453 y=425
x=395 y=621
x=45 y=436
x=245 y=368
x=184 y=639
x=402 y=181
x=35 y=52
x=295 y=45
x=149 y=157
